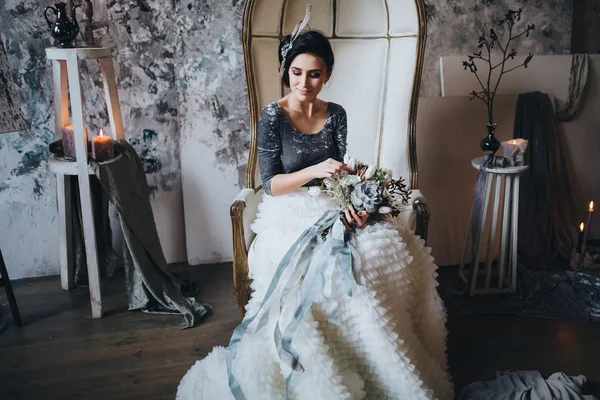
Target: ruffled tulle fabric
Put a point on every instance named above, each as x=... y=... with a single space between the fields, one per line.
x=386 y=341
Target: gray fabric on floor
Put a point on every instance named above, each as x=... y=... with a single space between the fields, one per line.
x=150 y=287
x=557 y=294
x=527 y=385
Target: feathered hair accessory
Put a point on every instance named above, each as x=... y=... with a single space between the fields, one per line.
x=295 y=33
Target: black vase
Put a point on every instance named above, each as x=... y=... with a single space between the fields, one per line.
x=489 y=144
x=63 y=29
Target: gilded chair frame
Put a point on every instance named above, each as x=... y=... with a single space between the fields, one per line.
x=241 y=279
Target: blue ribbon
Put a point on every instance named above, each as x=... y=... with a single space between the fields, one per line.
x=306 y=261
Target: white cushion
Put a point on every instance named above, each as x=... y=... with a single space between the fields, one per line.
x=361 y=18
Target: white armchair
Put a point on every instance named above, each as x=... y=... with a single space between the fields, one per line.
x=379 y=47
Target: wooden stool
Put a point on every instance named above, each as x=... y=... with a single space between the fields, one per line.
x=65 y=65
x=506 y=274
x=5 y=281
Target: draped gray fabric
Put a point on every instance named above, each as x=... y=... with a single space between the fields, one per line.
x=150 y=286
x=107 y=258
x=477 y=211
x=577 y=83
x=527 y=385
x=546 y=211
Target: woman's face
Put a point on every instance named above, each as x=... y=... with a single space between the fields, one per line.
x=308 y=73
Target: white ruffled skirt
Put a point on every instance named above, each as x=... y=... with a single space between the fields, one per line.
x=387 y=342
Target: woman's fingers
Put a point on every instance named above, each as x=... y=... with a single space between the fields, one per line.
x=353 y=213
x=360 y=217
x=331 y=166
x=348 y=217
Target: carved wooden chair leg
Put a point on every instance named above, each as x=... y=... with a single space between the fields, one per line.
x=5 y=281
x=423 y=216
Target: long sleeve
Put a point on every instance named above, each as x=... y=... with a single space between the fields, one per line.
x=269 y=147
x=340 y=135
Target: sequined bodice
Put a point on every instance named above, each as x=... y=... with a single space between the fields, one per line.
x=282 y=149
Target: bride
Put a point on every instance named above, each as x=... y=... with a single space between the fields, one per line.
x=385 y=338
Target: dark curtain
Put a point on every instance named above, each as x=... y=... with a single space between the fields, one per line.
x=546 y=213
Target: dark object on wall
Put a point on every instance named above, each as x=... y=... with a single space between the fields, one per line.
x=546 y=213
x=11 y=117
x=63 y=29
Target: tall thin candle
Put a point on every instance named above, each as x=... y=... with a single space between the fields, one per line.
x=588 y=224
x=580 y=239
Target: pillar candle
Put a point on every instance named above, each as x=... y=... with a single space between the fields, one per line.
x=68 y=141
x=514 y=151
x=102 y=147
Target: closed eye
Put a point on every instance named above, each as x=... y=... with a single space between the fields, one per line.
x=315 y=76
x=312 y=74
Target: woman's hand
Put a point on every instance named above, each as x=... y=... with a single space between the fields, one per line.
x=327 y=168
x=358 y=218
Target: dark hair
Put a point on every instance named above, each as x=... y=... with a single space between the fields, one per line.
x=311 y=42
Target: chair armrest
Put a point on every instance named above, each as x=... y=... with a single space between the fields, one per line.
x=243 y=212
x=417 y=197
x=415 y=215
x=423 y=213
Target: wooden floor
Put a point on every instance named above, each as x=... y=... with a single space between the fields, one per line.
x=61 y=353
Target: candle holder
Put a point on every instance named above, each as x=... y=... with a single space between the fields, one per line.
x=514 y=151
x=576 y=258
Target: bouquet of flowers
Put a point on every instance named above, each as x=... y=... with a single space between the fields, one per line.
x=367 y=188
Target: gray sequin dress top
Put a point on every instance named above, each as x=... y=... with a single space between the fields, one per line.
x=282 y=149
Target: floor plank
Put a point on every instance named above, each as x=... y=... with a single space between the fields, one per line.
x=61 y=353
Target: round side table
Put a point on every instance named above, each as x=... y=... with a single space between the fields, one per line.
x=496 y=180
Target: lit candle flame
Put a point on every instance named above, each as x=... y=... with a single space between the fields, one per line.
x=581 y=227
x=513 y=142
x=101 y=133
x=591 y=206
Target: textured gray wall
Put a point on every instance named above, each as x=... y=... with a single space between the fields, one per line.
x=179 y=67
x=181 y=81
x=453 y=27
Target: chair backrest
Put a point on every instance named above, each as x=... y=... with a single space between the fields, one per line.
x=378 y=46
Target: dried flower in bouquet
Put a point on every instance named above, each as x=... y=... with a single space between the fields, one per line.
x=367 y=188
